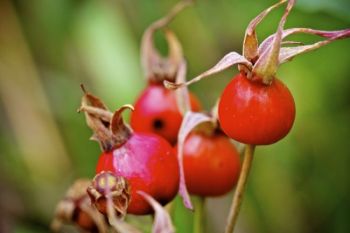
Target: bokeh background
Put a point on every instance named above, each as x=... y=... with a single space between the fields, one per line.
x=47 y=48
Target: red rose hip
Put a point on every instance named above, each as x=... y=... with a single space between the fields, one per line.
x=148 y=163
x=211 y=164
x=254 y=113
x=156 y=111
x=130 y=162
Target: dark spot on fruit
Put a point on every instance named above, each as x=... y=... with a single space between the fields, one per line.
x=158 y=124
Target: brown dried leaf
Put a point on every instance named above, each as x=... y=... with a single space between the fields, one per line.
x=162 y=221
x=189 y=122
x=267 y=63
x=227 y=61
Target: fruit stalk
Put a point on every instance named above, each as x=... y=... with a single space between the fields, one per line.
x=242 y=181
x=198 y=214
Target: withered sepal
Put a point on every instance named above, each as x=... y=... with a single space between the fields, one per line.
x=75 y=208
x=109 y=129
x=106 y=184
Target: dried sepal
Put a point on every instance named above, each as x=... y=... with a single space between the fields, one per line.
x=104 y=115
x=267 y=63
x=227 y=61
x=92 y=100
x=288 y=53
x=109 y=129
x=190 y=121
x=338 y=34
x=267 y=42
x=117 y=224
x=175 y=57
x=162 y=221
x=107 y=185
x=292 y=43
x=250 y=44
x=214 y=112
x=120 y=131
x=112 y=213
x=261 y=62
x=76 y=208
x=63 y=214
x=156 y=67
x=98 y=118
x=99 y=219
x=182 y=95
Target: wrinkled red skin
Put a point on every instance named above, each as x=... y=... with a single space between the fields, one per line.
x=149 y=164
x=254 y=113
x=211 y=164
x=156 y=112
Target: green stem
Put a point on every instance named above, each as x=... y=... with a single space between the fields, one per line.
x=238 y=196
x=198 y=214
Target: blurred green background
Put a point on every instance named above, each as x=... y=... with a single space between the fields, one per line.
x=48 y=47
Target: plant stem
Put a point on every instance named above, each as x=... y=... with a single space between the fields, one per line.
x=238 y=196
x=198 y=215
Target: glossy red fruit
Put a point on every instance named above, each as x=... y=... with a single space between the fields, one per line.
x=148 y=163
x=211 y=164
x=254 y=113
x=156 y=111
